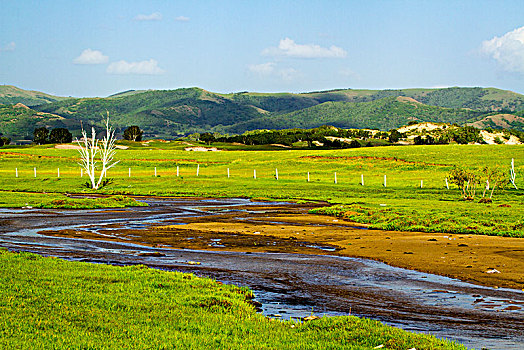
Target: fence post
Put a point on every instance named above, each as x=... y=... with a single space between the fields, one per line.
x=228 y=173
x=198 y=169
x=276 y=173
x=308 y=176
x=362 y=179
x=255 y=174
x=421 y=183
x=177 y=171
x=335 y=177
x=385 y=182
x=16 y=172
x=34 y=170
x=447 y=184
x=155 y=171
x=58 y=172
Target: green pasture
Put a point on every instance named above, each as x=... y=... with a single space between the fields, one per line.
x=48 y=303
x=402 y=205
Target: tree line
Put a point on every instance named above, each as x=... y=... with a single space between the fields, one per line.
x=43 y=135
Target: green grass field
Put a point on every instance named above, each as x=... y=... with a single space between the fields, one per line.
x=48 y=303
x=402 y=205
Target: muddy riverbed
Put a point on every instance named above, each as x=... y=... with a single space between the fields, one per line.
x=298 y=263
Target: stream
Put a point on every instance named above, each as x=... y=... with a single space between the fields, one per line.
x=288 y=285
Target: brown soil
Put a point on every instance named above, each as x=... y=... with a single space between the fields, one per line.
x=288 y=229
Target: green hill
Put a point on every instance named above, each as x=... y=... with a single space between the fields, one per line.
x=384 y=114
x=19 y=121
x=171 y=113
x=13 y=95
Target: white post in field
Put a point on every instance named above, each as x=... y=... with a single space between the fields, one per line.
x=177 y=170
x=276 y=174
x=385 y=182
x=34 y=170
x=447 y=184
x=362 y=179
x=254 y=174
x=198 y=168
x=129 y=172
x=421 y=183
x=228 y=173
x=16 y=172
x=335 y=177
x=58 y=172
x=155 y=171
x=308 y=176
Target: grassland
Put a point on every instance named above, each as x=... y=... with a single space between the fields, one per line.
x=51 y=303
x=402 y=205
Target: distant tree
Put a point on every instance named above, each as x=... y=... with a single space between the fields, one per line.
x=354 y=144
x=4 y=141
x=418 y=140
x=60 y=135
x=133 y=133
x=394 y=136
x=207 y=137
x=40 y=136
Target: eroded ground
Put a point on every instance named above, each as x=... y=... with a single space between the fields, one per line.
x=485 y=260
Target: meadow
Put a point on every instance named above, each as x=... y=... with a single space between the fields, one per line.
x=52 y=303
x=415 y=197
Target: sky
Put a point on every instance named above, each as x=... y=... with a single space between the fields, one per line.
x=98 y=48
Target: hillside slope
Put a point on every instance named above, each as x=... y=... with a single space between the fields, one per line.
x=171 y=113
x=384 y=114
x=13 y=95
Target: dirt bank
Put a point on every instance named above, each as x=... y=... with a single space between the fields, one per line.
x=489 y=261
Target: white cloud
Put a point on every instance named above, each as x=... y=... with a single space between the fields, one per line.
x=270 y=70
x=288 y=74
x=9 y=47
x=507 y=50
x=182 y=19
x=348 y=73
x=156 y=16
x=89 y=56
x=262 y=69
x=288 y=48
x=149 y=67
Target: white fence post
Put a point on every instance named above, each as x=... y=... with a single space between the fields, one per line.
x=34 y=170
x=362 y=179
x=335 y=177
x=308 y=176
x=276 y=174
x=155 y=171
x=198 y=169
x=228 y=173
x=447 y=184
x=58 y=172
x=177 y=170
x=385 y=181
x=421 y=183
x=254 y=174
x=16 y=172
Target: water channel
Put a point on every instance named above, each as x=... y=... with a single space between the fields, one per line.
x=287 y=285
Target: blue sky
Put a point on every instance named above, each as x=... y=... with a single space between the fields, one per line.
x=97 y=48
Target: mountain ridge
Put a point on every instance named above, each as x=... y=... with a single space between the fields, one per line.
x=172 y=113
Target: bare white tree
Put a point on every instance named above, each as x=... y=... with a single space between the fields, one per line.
x=94 y=151
x=512 y=174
